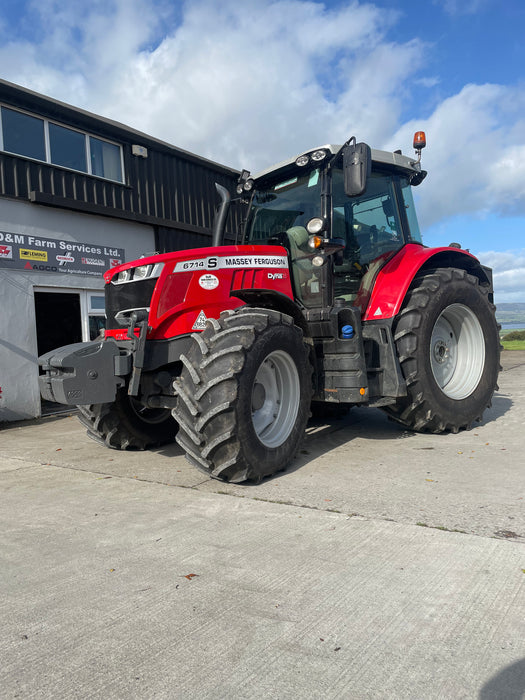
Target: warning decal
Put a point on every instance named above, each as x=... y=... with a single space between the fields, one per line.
x=200 y=323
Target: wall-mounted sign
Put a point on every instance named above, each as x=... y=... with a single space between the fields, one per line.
x=22 y=251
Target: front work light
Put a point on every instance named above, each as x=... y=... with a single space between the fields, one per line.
x=319 y=155
x=301 y=161
x=315 y=225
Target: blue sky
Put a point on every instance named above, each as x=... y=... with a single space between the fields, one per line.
x=249 y=84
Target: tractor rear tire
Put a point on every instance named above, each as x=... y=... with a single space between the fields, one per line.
x=244 y=395
x=126 y=424
x=448 y=347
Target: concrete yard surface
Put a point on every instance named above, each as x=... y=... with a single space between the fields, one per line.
x=381 y=564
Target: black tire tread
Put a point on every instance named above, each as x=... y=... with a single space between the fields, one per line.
x=112 y=425
x=417 y=411
x=208 y=392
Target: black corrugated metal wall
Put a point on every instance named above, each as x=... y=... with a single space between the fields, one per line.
x=171 y=189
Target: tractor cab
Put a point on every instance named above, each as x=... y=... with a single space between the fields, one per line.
x=339 y=228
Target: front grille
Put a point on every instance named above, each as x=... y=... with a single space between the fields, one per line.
x=130 y=295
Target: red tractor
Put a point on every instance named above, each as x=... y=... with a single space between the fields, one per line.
x=331 y=297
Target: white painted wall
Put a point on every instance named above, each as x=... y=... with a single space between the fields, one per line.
x=19 y=396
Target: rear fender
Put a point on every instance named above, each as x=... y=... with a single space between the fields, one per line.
x=394 y=279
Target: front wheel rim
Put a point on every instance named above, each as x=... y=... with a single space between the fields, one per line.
x=152 y=416
x=457 y=351
x=276 y=396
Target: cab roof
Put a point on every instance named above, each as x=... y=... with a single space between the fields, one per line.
x=388 y=158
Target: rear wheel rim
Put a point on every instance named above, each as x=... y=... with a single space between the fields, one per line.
x=457 y=351
x=276 y=396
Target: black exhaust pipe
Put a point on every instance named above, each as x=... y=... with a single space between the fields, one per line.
x=219 y=222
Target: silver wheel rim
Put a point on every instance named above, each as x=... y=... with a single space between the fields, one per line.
x=275 y=399
x=457 y=351
x=153 y=416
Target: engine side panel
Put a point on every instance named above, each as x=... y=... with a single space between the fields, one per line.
x=198 y=284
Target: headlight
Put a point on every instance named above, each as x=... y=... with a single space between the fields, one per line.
x=124 y=276
x=134 y=274
x=318 y=260
x=140 y=273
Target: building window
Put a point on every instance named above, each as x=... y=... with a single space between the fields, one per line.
x=41 y=139
x=23 y=134
x=67 y=147
x=105 y=159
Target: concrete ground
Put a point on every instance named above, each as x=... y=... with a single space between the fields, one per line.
x=382 y=564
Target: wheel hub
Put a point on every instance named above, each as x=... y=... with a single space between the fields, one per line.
x=441 y=352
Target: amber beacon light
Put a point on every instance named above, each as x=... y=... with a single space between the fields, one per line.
x=420 y=140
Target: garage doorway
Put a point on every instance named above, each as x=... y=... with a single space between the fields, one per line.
x=58 y=320
x=65 y=316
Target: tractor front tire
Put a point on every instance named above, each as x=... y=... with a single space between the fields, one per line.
x=126 y=424
x=448 y=347
x=244 y=395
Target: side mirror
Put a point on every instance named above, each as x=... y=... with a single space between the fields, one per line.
x=357 y=165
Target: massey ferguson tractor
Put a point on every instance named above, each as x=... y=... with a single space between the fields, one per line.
x=330 y=297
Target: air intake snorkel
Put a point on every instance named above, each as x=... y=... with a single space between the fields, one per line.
x=219 y=222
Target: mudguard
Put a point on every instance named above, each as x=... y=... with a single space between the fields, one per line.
x=393 y=280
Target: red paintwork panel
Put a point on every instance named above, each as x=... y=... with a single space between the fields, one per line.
x=394 y=279
x=201 y=281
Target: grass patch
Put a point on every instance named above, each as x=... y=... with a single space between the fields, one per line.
x=513 y=344
x=513 y=339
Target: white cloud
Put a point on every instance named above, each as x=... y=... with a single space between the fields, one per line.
x=473 y=154
x=251 y=84
x=244 y=85
x=461 y=7
x=509 y=274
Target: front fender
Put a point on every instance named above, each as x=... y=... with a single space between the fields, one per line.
x=393 y=280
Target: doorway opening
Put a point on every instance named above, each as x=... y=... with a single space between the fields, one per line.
x=64 y=317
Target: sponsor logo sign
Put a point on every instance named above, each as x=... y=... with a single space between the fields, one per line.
x=33 y=254
x=94 y=261
x=21 y=251
x=63 y=259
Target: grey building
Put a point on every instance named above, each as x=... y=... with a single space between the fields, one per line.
x=78 y=194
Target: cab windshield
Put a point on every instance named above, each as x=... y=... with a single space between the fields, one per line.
x=281 y=206
x=373 y=227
